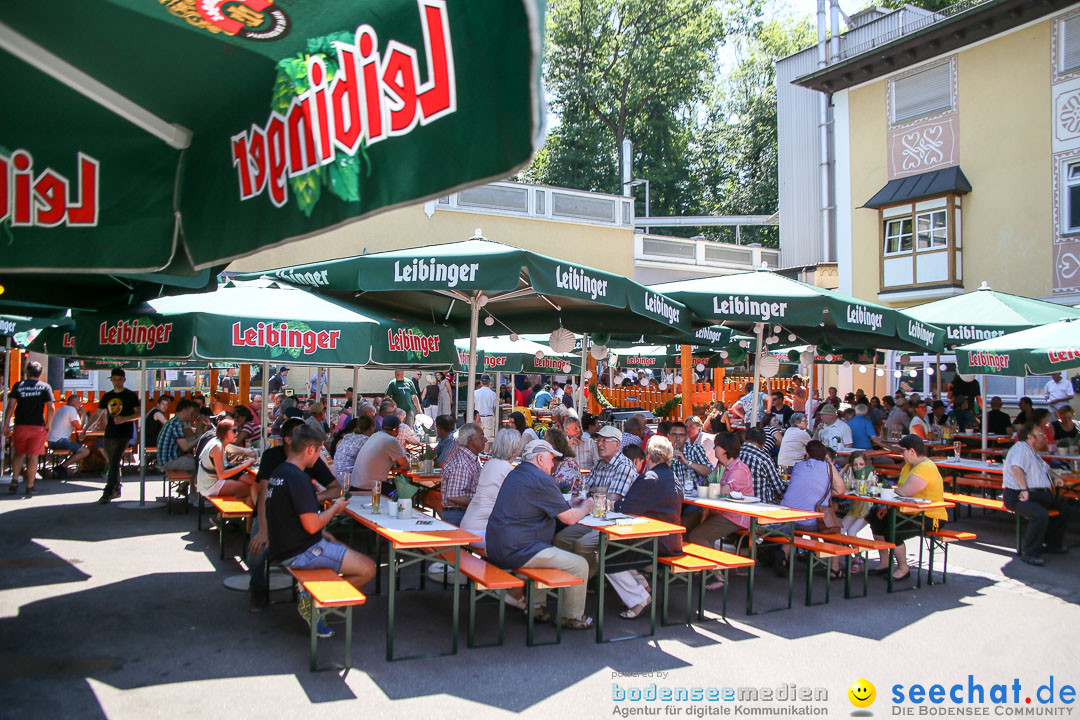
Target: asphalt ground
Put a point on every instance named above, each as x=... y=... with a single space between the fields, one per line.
x=122 y=613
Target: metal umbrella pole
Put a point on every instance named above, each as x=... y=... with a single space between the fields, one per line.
x=474 y=330
x=808 y=407
x=579 y=399
x=3 y=409
x=985 y=412
x=142 y=504
x=759 y=331
x=263 y=407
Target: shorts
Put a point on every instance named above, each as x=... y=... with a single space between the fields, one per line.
x=29 y=440
x=218 y=487
x=65 y=444
x=323 y=554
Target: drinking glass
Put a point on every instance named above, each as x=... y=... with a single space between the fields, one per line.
x=376 y=498
x=957 y=446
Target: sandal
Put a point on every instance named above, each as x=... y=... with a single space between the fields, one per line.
x=636 y=611
x=781 y=568
x=717 y=583
x=582 y=623
x=514 y=602
x=540 y=614
x=837 y=574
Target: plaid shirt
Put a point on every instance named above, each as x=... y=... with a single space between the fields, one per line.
x=767 y=483
x=617 y=475
x=167 y=449
x=693 y=453
x=459 y=476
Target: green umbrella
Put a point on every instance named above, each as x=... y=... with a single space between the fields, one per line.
x=147 y=132
x=504 y=355
x=788 y=308
x=984 y=314
x=520 y=290
x=1042 y=350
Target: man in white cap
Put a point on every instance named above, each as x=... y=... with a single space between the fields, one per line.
x=522 y=525
x=613 y=471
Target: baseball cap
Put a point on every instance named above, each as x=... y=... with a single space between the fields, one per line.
x=283 y=368
x=610 y=431
x=390 y=422
x=538 y=447
x=118 y=372
x=485 y=378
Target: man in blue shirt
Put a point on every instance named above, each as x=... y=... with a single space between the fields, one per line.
x=863 y=434
x=543 y=398
x=522 y=526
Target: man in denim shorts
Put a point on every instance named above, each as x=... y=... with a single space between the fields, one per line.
x=295 y=524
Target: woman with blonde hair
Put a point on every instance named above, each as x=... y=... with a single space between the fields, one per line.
x=506 y=446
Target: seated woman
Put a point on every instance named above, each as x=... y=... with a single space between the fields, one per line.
x=654 y=494
x=567 y=473
x=919 y=479
x=352 y=441
x=737 y=477
x=793 y=445
x=406 y=435
x=813 y=482
x=858 y=468
x=506 y=447
x=527 y=433
x=215 y=477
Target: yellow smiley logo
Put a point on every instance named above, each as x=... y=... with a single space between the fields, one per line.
x=862 y=693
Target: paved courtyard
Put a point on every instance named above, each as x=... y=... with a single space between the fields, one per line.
x=120 y=613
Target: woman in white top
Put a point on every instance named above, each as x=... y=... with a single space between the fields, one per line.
x=793 y=446
x=213 y=477
x=919 y=426
x=445 y=393
x=507 y=446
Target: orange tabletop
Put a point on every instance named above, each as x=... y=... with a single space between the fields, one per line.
x=990 y=438
x=412 y=539
x=845 y=451
x=765 y=514
x=905 y=505
x=652 y=528
x=970 y=465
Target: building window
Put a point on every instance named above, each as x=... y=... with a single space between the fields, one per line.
x=932 y=230
x=922 y=93
x=898 y=236
x=1070 y=44
x=1072 y=198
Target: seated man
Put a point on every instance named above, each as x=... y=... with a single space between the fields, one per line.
x=379 y=456
x=295 y=524
x=1029 y=492
x=68 y=419
x=522 y=526
x=461 y=473
x=446 y=445
x=326 y=488
x=176 y=442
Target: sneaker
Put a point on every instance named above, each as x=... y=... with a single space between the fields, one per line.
x=1033 y=560
x=257 y=601
x=13 y=487
x=323 y=630
x=104 y=500
x=115 y=493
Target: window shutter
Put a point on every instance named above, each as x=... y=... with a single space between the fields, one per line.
x=1070 y=44
x=922 y=93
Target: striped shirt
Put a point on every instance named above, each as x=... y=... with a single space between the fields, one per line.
x=460 y=475
x=1036 y=471
x=617 y=475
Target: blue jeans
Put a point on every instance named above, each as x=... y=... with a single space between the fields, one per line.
x=257 y=568
x=453 y=516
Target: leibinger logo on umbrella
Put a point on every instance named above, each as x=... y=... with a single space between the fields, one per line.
x=576 y=279
x=68 y=341
x=745 y=306
x=710 y=335
x=988 y=360
x=371 y=97
x=970 y=332
x=134 y=333
x=920 y=332
x=490 y=361
x=552 y=363
x=412 y=341
x=432 y=271
x=859 y=315
x=656 y=304
x=1064 y=355
x=315 y=278
x=44 y=197
x=7 y=327
x=644 y=361
x=249 y=19
x=280 y=336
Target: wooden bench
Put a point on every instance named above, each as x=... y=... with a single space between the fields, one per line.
x=991 y=504
x=229 y=508
x=331 y=595
x=820 y=553
x=684 y=568
x=724 y=562
x=176 y=479
x=989 y=482
x=862 y=545
x=485 y=581
x=941 y=539
x=542 y=581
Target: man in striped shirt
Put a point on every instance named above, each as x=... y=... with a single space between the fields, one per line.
x=461 y=473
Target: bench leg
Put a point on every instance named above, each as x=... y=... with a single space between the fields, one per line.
x=690 y=596
x=723 y=604
x=314 y=632
x=558 y=617
x=348 y=637
x=529 y=619
x=470 y=637
x=667 y=584
x=930 y=563
x=502 y=615
x=945 y=564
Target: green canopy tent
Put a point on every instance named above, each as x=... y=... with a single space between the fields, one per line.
x=798 y=311
x=521 y=291
x=257 y=321
x=152 y=133
x=985 y=314
x=1050 y=348
x=516 y=357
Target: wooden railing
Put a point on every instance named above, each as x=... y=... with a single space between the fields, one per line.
x=652 y=397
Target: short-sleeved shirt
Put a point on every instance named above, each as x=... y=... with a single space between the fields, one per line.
x=522 y=523
x=838 y=429
x=485 y=401
x=445 y=448
x=459 y=476
x=997 y=423
x=63 y=422
x=793 y=447
x=1036 y=471
x=31 y=397
x=375 y=459
x=153 y=426
x=542 y=399
x=275 y=457
x=289 y=495
x=617 y=475
x=401 y=392
x=275 y=383
x=167 y=449
x=919 y=422
x=254 y=431
x=862 y=430
x=683 y=472
x=118 y=404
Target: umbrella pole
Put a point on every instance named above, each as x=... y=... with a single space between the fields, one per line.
x=263 y=409
x=474 y=329
x=759 y=331
x=143 y=390
x=498 y=405
x=579 y=399
x=3 y=410
x=808 y=407
x=985 y=413
x=355 y=391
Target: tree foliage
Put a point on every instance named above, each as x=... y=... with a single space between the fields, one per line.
x=933 y=5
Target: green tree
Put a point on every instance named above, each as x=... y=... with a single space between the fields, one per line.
x=634 y=69
x=933 y=5
x=735 y=144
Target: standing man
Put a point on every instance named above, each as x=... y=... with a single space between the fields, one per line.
x=68 y=419
x=32 y=403
x=227 y=383
x=1059 y=391
x=318 y=384
x=402 y=392
x=486 y=403
x=121 y=409
x=278 y=380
